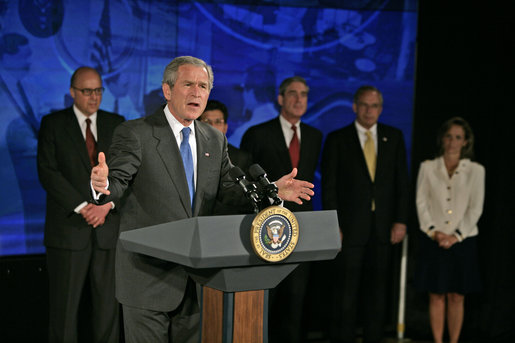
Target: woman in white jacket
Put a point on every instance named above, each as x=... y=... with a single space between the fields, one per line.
x=450 y=193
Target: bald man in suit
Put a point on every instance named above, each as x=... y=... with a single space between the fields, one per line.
x=80 y=236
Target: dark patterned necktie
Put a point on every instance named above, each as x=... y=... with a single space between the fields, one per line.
x=91 y=145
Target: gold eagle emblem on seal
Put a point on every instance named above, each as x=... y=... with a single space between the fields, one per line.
x=274 y=234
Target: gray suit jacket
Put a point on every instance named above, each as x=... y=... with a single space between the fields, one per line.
x=146 y=169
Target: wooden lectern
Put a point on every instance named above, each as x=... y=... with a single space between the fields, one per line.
x=216 y=252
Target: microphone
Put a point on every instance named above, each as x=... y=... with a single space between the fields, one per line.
x=271 y=190
x=249 y=188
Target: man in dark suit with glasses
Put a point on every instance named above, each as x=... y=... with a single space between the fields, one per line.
x=80 y=236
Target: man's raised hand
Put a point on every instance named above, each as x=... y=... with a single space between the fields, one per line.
x=99 y=175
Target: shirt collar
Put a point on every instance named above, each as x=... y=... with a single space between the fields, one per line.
x=81 y=117
x=286 y=124
x=175 y=125
x=362 y=130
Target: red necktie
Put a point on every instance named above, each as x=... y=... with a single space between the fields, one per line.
x=91 y=144
x=294 y=148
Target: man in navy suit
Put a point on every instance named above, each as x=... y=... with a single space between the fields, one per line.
x=169 y=167
x=365 y=178
x=279 y=145
x=80 y=236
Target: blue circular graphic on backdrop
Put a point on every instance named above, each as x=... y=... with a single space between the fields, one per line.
x=42 y=18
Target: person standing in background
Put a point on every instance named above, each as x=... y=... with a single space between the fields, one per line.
x=216 y=115
x=80 y=236
x=364 y=178
x=279 y=145
x=450 y=194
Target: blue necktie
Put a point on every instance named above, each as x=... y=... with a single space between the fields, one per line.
x=187 y=160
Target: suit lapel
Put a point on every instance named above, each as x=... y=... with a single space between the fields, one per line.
x=102 y=132
x=382 y=143
x=204 y=162
x=72 y=129
x=168 y=151
x=277 y=140
x=306 y=150
x=359 y=151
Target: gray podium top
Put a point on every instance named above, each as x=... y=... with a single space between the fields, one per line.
x=216 y=248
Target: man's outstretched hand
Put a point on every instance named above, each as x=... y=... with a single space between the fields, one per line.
x=99 y=175
x=294 y=190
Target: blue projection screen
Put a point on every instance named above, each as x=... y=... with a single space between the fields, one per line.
x=251 y=48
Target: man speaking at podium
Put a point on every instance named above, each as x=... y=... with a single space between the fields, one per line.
x=168 y=167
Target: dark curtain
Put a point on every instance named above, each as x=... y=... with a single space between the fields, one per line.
x=465 y=67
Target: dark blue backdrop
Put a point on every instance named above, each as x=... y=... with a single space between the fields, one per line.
x=251 y=48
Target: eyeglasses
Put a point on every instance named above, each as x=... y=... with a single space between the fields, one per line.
x=89 y=91
x=374 y=106
x=218 y=121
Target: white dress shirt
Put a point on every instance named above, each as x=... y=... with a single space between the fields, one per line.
x=81 y=118
x=362 y=134
x=287 y=131
x=451 y=205
x=177 y=127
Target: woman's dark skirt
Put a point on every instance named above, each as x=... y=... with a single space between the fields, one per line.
x=453 y=270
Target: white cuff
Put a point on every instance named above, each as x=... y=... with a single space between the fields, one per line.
x=80 y=207
x=96 y=195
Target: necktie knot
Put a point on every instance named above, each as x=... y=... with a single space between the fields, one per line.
x=186 y=134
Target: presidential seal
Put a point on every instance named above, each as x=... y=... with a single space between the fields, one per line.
x=274 y=234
